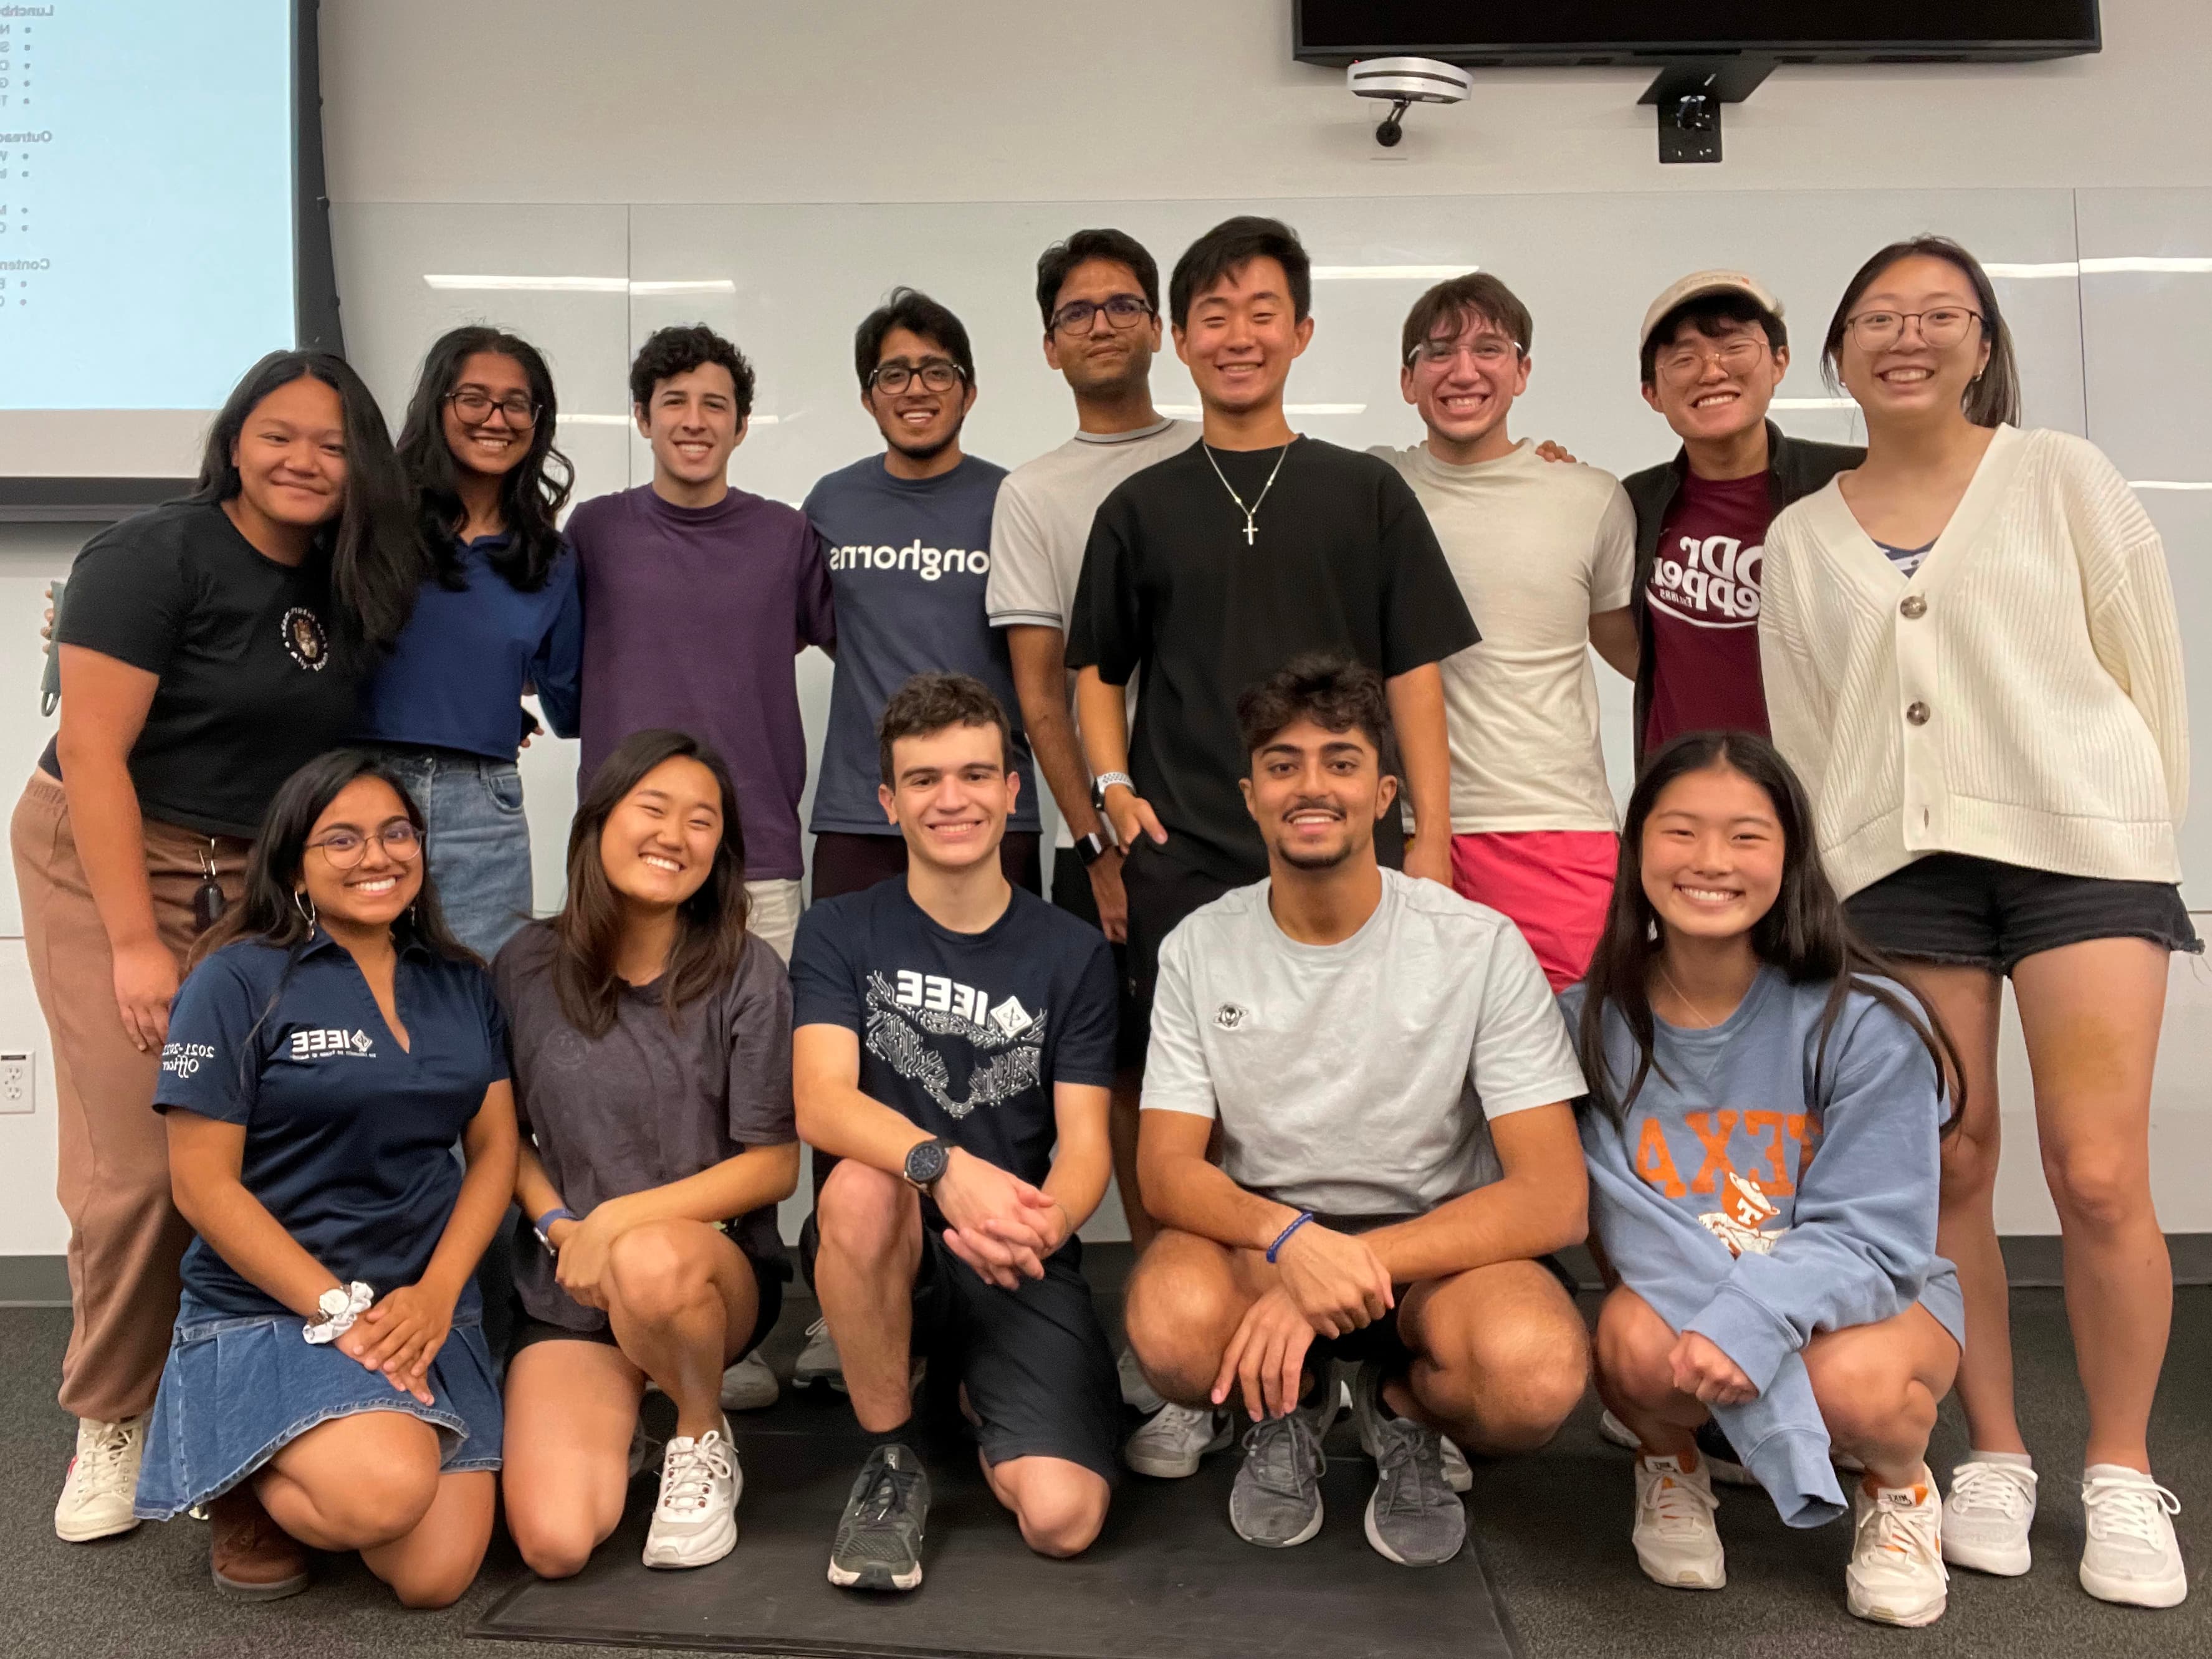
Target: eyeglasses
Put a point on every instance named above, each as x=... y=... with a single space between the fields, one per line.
x=475 y=405
x=1682 y=366
x=1946 y=325
x=1122 y=311
x=936 y=374
x=1489 y=352
x=401 y=841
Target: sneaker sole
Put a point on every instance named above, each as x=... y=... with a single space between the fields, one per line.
x=1909 y=1618
x=699 y=1550
x=1374 y=1538
x=1177 y=1468
x=873 y=1577
x=2134 y=1592
x=1685 y=1578
x=83 y=1535
x=276 y=1592
x=1304 y=1534
x=1998 y=1563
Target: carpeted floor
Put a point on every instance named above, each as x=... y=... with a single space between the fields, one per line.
x=1552 y=1531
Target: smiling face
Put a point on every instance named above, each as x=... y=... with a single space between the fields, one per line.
x=919 y=422
x=1711 y=853
x=692 y=423
x=658 y=845
x=375 y=891
x=1907 y=378
x=950 y=793
x=1099 y=358
x=494 y=444
x=1715 y=379
x=1316 y=793
x=1240 y=336
x=1463 y=379
x=290 y=455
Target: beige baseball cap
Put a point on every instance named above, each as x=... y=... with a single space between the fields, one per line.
x=1697 y=285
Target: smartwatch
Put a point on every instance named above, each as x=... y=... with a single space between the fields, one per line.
x=1089 y=848
x=543 y=1225
x=926 y=1164
x=1106 y=781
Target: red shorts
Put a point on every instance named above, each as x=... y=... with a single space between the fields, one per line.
x=1554 y=884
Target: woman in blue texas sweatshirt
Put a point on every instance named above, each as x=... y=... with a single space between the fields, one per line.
x=1763 y=1130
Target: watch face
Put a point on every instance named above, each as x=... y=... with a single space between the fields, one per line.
x=926 y=1163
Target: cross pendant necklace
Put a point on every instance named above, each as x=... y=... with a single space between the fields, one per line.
x=1251 y=512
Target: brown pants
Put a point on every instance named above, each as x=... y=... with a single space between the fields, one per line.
x=125 y=1236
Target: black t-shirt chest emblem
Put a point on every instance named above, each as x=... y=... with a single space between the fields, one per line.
x=1004 y=1042
x=304 y=639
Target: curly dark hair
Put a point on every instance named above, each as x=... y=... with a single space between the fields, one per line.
x=678 y=349
x=1333 y=691
x=931 y=702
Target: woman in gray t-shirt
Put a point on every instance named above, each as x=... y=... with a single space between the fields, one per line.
x=651 y=1064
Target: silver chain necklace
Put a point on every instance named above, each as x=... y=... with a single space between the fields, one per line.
x=1251 y=527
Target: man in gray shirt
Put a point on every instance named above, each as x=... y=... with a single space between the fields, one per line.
x=1398 y=1158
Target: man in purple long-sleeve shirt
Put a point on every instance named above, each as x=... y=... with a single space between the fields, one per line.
x=698 y=599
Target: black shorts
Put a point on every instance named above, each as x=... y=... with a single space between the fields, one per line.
x=1953 y=908
x=1163 y=889
x=1038 y=1371
x=846 y=863
x=1070 y=891
x=767 y=1286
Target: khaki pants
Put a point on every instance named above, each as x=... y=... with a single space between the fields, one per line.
x=125 y=1236
x=775 y=917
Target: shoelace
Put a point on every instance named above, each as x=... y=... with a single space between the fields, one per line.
x=1284 y=1454
x=889 y=1496
x=1675 y=1503
x=100 y=1465
x=1172 y=1418
x=2128 y=1510
x=817 y=1327
x=1911 y=1533
x=689 y=1469
x=1412 y=1467
x=1980 y=1489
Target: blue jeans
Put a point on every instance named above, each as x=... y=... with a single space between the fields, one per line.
x=479 y=840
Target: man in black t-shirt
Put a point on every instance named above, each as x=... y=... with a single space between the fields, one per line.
x=1206 y=573
x=953 y=1047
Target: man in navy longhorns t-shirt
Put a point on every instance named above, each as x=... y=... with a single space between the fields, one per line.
x=907 y=534
x=952 y=1047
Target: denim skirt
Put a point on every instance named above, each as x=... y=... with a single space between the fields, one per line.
x=478 y=838
x=235 y=1391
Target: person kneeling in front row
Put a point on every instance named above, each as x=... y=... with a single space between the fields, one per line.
x=320 y=1064
x=949 y=1029
x=1763 y=1137
x=1391 y=1077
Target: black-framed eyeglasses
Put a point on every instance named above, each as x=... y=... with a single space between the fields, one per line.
x=936 y=374
x=1122 y=311
x=1946 y=325
x=345 y=849
x=474 y=404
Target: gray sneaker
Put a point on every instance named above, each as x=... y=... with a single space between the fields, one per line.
x=1413 y=1516
x=879 y=1545
x=1276 y=1501
x=817 y=1361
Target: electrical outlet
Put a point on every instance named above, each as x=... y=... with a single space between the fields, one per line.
x=17 y=1080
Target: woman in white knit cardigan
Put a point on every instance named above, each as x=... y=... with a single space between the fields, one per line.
x=1970 y=656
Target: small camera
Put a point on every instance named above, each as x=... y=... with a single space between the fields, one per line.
x=1404 y=83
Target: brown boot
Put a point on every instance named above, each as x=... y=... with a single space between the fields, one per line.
x=251 y=1557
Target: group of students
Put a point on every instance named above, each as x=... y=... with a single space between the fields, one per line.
x=1358 y=1079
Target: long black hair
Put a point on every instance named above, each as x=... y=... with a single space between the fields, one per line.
x=1805 y=933
x=368 y=550
x=710 y=934
x=268 y=913
x=531 y=493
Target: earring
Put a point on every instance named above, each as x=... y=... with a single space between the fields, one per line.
x=305 y=906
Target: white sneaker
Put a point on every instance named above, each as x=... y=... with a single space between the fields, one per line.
x=1896 y=1573
x=1715 y=1455
x=1987 y=1517
x=749 y=1385
x=1137 y=1393
x=817 y=1361
x=103 y=1478
x=695 y=1518
x=1169 y=1445
x=1677 y=1544
x=2130 y=1554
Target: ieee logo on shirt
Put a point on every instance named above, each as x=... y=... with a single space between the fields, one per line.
x=332 y=1040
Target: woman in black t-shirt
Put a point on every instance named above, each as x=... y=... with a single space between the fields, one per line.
x=208 y=648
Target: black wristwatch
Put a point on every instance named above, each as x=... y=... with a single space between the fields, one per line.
x=1089 y=848
x=926 y=1164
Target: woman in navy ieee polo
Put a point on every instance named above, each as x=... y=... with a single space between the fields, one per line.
x=328 y=1382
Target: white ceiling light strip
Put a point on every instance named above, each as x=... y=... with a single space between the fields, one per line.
x=1814 y=403
x=456 y=282
x=1390 y=273
x=624 y=420
x=2168 y=483
x=2124 y=265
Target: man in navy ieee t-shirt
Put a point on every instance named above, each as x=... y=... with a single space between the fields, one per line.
x=953 y=1045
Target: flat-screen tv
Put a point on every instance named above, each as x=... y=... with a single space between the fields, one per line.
x=1479 y=32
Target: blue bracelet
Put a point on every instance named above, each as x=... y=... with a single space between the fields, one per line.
x=1283 y=1236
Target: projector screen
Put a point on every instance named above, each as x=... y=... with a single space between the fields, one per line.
x=152 y=158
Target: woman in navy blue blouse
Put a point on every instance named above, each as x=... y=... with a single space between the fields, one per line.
x=498 y=616
x=328 y=1372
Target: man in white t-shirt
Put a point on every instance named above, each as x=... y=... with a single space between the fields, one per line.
x=1390 y=1079
x=1098 y=293
x=1546 y=556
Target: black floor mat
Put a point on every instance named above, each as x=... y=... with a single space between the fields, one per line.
x=1167 y=1579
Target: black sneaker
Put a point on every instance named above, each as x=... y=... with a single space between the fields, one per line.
x=879 y=1541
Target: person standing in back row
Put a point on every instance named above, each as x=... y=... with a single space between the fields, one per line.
x=1209 y=571
x=1714 y=350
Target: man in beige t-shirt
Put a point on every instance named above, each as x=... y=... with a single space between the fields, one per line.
x=1545 y=554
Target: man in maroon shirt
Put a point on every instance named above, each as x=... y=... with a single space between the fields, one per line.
x=1714 y=350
